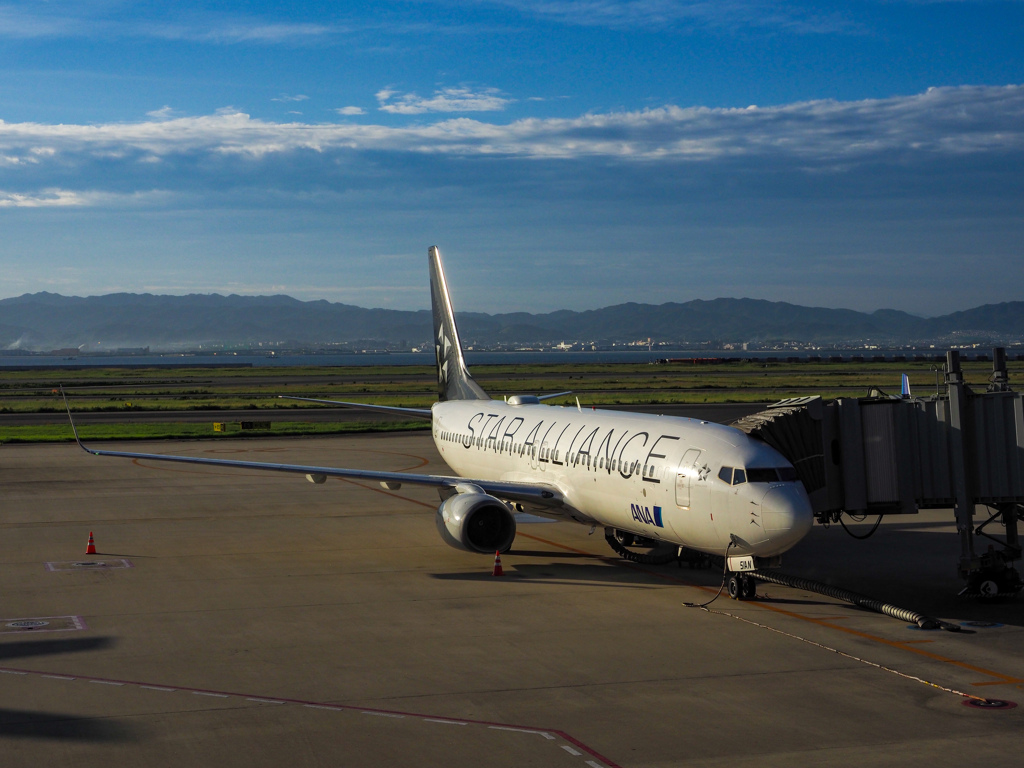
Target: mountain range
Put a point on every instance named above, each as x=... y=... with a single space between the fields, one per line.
x=44 y=321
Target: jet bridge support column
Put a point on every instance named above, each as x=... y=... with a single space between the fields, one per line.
x=963 y=508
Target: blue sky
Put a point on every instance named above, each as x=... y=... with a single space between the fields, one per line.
x=563 y=153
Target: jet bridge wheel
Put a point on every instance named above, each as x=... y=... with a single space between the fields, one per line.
x=640 y=549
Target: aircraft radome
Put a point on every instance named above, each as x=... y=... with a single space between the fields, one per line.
x=653 y=482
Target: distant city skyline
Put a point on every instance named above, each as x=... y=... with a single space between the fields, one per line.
x=564 y=154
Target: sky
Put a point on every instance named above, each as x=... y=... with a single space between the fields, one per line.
x=563 y=154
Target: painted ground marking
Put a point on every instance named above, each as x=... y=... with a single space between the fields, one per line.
x=36 y=624
x=88 y=565
x=549 y=735
x=520 y=730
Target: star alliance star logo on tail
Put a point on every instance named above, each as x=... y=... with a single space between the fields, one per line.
x=442 y=348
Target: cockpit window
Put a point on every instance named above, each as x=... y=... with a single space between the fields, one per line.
x=739 y=477
x=725 y=474
x=770 y=474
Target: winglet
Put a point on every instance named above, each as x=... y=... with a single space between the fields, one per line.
x=73 y=428
x=905 y=388
x=552 y=396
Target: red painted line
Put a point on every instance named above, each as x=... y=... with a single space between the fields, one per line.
x=322 y=705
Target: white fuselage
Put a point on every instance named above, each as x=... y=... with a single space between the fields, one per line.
x=657 y=476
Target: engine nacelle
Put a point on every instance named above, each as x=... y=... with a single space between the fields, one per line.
x=476 y=522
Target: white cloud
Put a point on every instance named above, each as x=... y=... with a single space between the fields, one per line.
x=659 y=14
x=444 y=100
x=55 y=197
x=246 y=32
x=286 y=98
x=164 y=113
x=76 y=19
x=350 y=111
x=813 y=137
x=50 y=198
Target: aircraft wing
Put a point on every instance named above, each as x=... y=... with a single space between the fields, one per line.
x=535 y=494
x=420 y=413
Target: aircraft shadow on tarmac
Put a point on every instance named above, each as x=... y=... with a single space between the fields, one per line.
x=545 y=553
x=908 y=564
x=28 y=724
x=21 y=649
x=557 y=573
x=601 y=575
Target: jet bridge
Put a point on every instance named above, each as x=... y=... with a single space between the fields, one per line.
x=891 y=455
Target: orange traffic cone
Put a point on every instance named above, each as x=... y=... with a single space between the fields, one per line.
x=497 y=565
x=91 y=549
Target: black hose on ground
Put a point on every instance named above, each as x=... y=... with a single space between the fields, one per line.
x=924 y=622
x=867 y=535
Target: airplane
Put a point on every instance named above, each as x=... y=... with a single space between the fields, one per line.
x=651 y=481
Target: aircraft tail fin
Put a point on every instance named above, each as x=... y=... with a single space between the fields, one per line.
x=453 y=379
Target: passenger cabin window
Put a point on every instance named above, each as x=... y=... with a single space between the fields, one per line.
x=725 y=475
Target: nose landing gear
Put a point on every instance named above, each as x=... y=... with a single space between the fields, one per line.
x=741 y=586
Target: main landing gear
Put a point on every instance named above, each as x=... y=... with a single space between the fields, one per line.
x=740 y=586
x=640 y=549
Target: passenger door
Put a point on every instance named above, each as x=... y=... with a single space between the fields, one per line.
x=692 y=520
x=683 y=474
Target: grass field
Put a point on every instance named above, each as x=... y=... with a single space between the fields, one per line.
x=135 y=391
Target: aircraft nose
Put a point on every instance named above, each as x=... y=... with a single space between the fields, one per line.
x=787 y=516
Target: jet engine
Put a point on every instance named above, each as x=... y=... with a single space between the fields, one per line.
x=476 y=522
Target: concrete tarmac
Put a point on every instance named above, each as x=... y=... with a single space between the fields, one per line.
x=239 y=618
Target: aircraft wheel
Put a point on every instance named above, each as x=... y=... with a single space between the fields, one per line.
x=748 y=588
x=989 y=588
x=734 y=587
